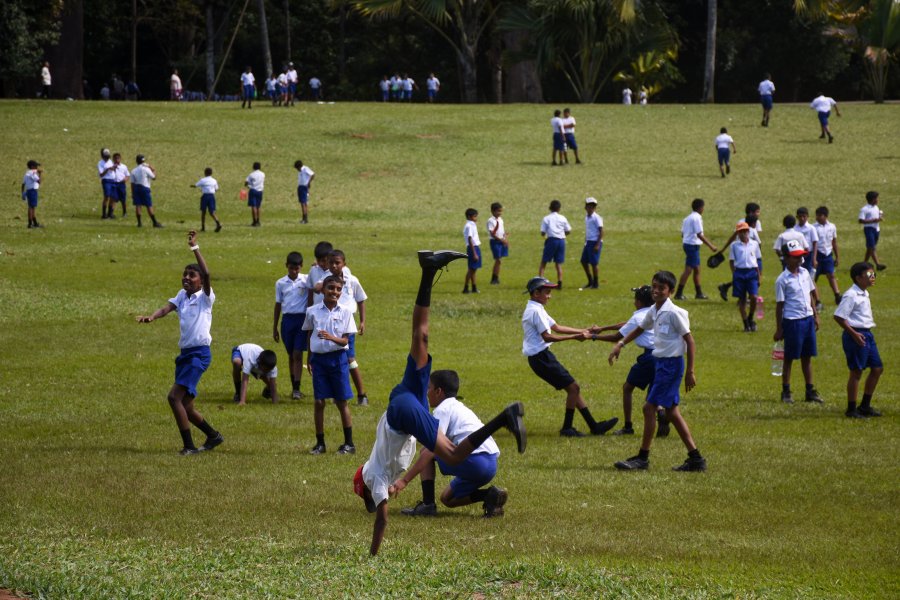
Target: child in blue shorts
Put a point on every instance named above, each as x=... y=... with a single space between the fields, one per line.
x=555 y=227
x=743 y=257
x=250 y=360
x=499 y=239
x=208 y=188
x=473 y=250
x=796 y=321
x=407 y=415
x=593 y=243
x=353 y=298
x=672 y=342
x=691 y=239
x=827 y=251
x=193 y=303
x=870 y=217
x=854 y=315
x=30 y=184
x=291 y=297
x=255 y=183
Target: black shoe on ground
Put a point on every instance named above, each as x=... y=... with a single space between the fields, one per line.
x=466 y=291
x=595 y=285
x=881 y=266
x=723 y=292
x=624 y=431
x=494 y=501
x=728 y=169
x=692 y=464
x=830 y=139
x=746 y=326
x=515 y=424
x=318 y=449
x=752 y=326
x=158 y=225
x=266 y=393
x=438 y=260
x=662 y=426
x=854 y=414
x=786 y=397
x=559 y=285
x=635 y=463
x=188 y=451
x=218 y=227
x=604 y=426
x=30 y=226
x=822 y=137
x=346 y=449
x=212 y=442
x=362 y=400
x=868 y=411
x=495 y=282
x=813 y=396
x=571 y=432
x=701 y=296
x=420 y=510
x=680 y=297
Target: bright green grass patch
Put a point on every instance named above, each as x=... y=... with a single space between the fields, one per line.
x=798 y=501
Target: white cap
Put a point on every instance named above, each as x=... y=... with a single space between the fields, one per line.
x=590 y=200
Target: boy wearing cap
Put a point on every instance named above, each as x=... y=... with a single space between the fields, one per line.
x=208 y=188
x=141 y=177
x=555 y=228
x=30 y=184
x=691 y=239
x=796 y=322
x=854 y=315
x=827 y=251
x=743 y=257
x=787 y=235
x=407 y=415
x=499 y=239
x=672 y=342
x=593 y=242
x=751 y=217
x=870 y=217
x=724 y=147
x=473 y=250
x=540 y=331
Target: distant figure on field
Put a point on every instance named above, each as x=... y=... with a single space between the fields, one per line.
x=724 y=147
x=766 y=90
x=247 y=88
x=175 y=89
x=822 y=104
x=626 y=96
x=45 y=80
x=434 y=86
x=30 y=184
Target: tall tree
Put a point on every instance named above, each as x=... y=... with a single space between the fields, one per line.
x=264 y=36
x=26 y=27
x=709 y=63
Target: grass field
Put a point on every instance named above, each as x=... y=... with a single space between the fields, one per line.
x=798 y=501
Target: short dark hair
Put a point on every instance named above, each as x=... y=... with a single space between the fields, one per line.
x=298 y=164
x=322 y=249
x=802 y=211
x=751 y=207
x=295 y=258
x=207 y=171
x=267 y=360
x=873 y=195
x=471 y=212
x=334 y=253
x=257 y=166
x=751 y=221
x=859 y=268
x=556 y=113
x=332 y=279
x=446 y=380
x=723 y=130
x=789 y=221
x=555 y=205
x=697 y=203
x=822 y=210
x=666 y=277
x=496 y=206
x=644 y=295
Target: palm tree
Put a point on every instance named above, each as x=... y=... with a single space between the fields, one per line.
x=653 y=71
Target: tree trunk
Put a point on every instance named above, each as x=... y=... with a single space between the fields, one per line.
x=67 y=56
x=287 y=32
x=709 y=67
x=523 y=84
x=264 y=35
x=210 y=49
x=134 y=23
x=468 y=74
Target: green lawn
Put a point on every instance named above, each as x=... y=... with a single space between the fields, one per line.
x=798 y=501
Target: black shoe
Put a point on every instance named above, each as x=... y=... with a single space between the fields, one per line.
x=752 y=326
x=680 y=297
x=495 y=282
x=158 y=225
x=466 y=291
x=728 y=169
x=266 y=393
x=813 y=396
x=603 y=427
x=30 y=226
x=830 y=139
x=822 y=137
x=868 y=411
x=854 y=414
x=786 y=397
x=438 y=260
x=635 y=463
x=346 y=449
x=494 y=501
x=723 y=291
x=212 y=442
x=420 y=510
x=746 y=326
x=559 y=285
x=662 y=425
x=692 y=464
x=188 y=451
x=515 y=424
x=318 y=449
x=701 y=296
x=362 y=400
x=218 y=227
x=624 y=431
x=595 y=285
x=571 y=432
x=881 y=266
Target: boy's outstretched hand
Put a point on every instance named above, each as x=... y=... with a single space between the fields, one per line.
x=192 y=237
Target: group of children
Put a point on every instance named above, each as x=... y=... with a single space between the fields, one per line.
x=399 y=88
x=113 y=177
x=563 y=126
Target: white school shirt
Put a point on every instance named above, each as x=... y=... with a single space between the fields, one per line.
x=250 y=361
x=498 y=223
x=794 y=289
x=568 y=124
x=292 y=294
x=194 y=317
x=856 y=308
x=433 y=83
x=790 y=234
x=283 y=80
x=392 y=454
x=822 y=104
x=292 y=76
x=271 y=83
x=314 y=83
x=384 y=84
x=142 y=175
x=45 y=75
x=352 y=294
x=102 y=166
x=121 y=173
x=32 y=180
x=691 y=226
x=593 y=223
x=827 y=234
x=745 y=256
x=754 y=232
x=643 y=97
x=535 y=321
x=317 y=275
x=175 y=83
x=207 y=185
x=256 y=180
x=555 y=225
x=809 y=232
x=247 y=79
x=870 y=211
x=766 y=88
x=645 y=340
x=626 y=96
x=408 y=84
x=670 y=324
x=457 y=421
x=470 y=230
x=722 y=141
x=337 y=321
x=304 y=175
x=556 y=124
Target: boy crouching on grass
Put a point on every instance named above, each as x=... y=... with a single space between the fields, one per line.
x=407 y=415
x=854 y=315
x=193 y=303
x=672 y=341
x=251 y=360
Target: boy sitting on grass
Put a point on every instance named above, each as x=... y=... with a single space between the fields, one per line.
x=251 y=360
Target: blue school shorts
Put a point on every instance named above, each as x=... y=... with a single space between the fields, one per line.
x=872 y=236
x=303 y=193
x=823 y=118
x=140 y=195
x=547 y=367
x=799 y=338
x=208 y=202
x=31 y=196
x=474 y=257
x=254 y=199
x=570 y=141
x=724 y=155
x=643 y=371
x=744 y=281
x=315 y=93
x=589 y=256
x=432 y=94
x=236 y=353
x=691 y=255
x=766 y=101
x=407 y=409
x=292 y=334
x=385 y=95
x=666 y=388
x=499 y=249
x=190 y=366
x=558 y=142
x=469 y=475
x=860 y=358
x=825 y=264
x=109 y=188
x=351 y=345
x=554 y=250
x=807 y=263
x=248 y=92
x=331 y=376
x=292 y=88
x=121 y=192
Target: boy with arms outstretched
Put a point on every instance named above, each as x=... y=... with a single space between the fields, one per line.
x=407 y=415
x=193 y=303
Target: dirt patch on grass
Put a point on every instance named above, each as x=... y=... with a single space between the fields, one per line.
x=429 y=136
x=8 y=595
x=362 y=136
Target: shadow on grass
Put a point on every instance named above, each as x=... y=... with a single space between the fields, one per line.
x=815 y=141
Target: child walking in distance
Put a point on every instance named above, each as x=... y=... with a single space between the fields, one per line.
x=255 y=183
x=870 y=217
x=540 y=332
x=141 y=177
x=827 y=258
x=305 y=175
x=766 y=90
x=407 y=415
x=691 y=239
x=251 y=360
x=473 y=249
x=30 y=184
x=193 y=303
x=796 y=322
x=743 y=257
x=353 y=298
x=822 y=104
x=248 y=88
x=456 y=421
x=106 y=171
x=208 y=188
x=328 y=324
x=854 y=315
x=672 y=342
x=593 y=243
x=499 y=240
x=554 y=228
x=291 y=297
x=724 y=147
